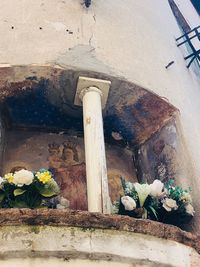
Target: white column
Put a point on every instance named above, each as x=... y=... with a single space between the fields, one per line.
x=96 y=170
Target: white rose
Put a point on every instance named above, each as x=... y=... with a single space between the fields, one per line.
x=189 y=209
x=156 y=188
x=169 y=204
x=2 y=180
x=128 y=202
x=23 y=177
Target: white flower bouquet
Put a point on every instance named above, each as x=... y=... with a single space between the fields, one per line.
x=166 y=203
x=26 y=189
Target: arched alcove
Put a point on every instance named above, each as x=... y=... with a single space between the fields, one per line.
x=40 y=118
x=143 y=142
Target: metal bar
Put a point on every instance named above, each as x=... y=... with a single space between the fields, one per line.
x=196 y=53
x=197 y=34
x=191 y=62
x=193 y=54
x=190 y=38
x=196 y=28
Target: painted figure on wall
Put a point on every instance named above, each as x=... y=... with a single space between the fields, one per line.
x=55 y=154
x=69 y=173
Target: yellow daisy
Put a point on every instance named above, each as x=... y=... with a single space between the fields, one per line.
x=44 y=177
x=9 y=176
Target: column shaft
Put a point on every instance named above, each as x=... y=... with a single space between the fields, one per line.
x=96 y=170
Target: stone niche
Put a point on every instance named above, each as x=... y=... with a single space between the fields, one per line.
x=42 y=128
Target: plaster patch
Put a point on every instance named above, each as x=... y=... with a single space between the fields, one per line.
x=83 y=56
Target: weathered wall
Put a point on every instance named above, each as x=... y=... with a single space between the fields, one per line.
x=89 y=237
x=89 y=248
x=130 y=39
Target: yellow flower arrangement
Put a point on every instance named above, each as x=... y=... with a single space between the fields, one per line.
x=10 y=177
x=27 y=189
x=44 y=177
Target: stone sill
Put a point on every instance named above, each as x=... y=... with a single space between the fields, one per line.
x=84 y=219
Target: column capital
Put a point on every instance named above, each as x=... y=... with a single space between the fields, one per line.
x=86 y=84
x=89 y=89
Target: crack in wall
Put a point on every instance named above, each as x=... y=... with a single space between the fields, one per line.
x=92 y=29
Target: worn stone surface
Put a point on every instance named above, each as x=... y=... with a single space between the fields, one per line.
x=32 y=243
x=96 y=220
x=138 y=115
x=131 y=110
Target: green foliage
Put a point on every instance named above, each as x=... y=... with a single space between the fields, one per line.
x=129 y=189
x=29 y=195
x=172 y=204
x=46 y=192
x=18 y=192
x=154 y=212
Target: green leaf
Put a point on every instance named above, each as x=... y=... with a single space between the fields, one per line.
x=46 y=192
x=18 y=192
x=2 y=196
x=154 y=212
x=53 y=186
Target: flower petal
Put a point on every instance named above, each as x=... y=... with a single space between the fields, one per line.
x=156 y=188
x=143 y=190
x=128 y=202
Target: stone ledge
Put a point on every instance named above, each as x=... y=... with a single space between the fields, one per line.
x=84 y=219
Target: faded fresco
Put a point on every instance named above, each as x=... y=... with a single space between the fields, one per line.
x=69 y=172
x=159 y=157
x=63 y=154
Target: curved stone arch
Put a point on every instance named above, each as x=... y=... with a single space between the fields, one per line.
x=131 y=111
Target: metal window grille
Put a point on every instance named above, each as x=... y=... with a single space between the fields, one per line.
x=187 y=39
